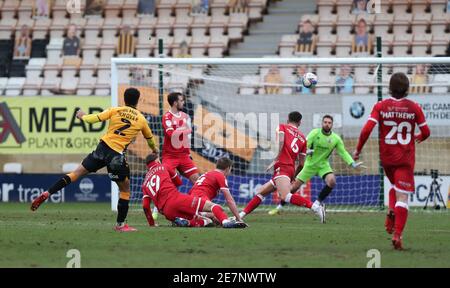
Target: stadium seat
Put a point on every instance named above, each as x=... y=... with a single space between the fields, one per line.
x=12 y=167
x=287 y=45
x=181 y=27
x=218 y=25
x=68 y=80
x=25 y=9
x=383 y=22
x=9 y=9
x=3 y=82
x=60 y=8
x=164 y=26
x=437 y=6
x=249 y=83
x=86 y=83
x=54 y=50
x=440 y=83
x=113 y=8
x=165 y=8
x=129 y=8
x=183 y=8
x=420 y=23
x=7 y=27
x=327 y=24
x=237 y=25
x=200 y=25
x=15 y=85
x=218 y=7
x=41 y=28
x=421 y=44
x=58 y=26
x=402 y=23
x=402 y=43
x=69 y=167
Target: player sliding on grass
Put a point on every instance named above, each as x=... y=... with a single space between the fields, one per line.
x=181 y=209
x=321 y=143
x=397 y=117
x=211 y=183
x=176 y=148
x=125 y=123
x=292 y=146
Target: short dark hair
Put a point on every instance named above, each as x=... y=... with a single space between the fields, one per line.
x=328 y=116
x=224 y=163
x=399 y=85
x=131 y=97
x=295 y=117
x=150 y=158
x=173 y=97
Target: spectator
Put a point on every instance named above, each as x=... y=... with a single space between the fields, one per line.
x=200 y=6
x=301 y=70
x=344 y=82
x=419 y=80
x=306 y=42
x=273 y=77
x=448 y=6
x=238 y=6
x=126 y=43
x=94 y=7
x=22 y=47
x=71 y=47
x=362 y=42
x=41 y=8
x=359 y=6
x=146 y=7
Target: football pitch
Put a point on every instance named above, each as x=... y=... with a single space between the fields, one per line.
x=293 y=239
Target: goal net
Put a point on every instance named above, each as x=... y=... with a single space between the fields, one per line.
x=236 y=105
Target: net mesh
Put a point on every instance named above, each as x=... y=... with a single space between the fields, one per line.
x=235 y=110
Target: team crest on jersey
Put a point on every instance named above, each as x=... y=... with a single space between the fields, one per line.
x=168 y=123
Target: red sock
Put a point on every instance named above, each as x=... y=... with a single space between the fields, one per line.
x=197 y=222
x=253 y=204
x=401 y=215
x=392 y=199
x=218 y=213
x=300 y=201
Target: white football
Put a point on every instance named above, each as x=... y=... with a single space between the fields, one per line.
x=309 y=80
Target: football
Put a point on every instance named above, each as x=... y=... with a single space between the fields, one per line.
x=309 y=80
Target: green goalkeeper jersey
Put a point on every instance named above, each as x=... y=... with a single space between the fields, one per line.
x=323 y=145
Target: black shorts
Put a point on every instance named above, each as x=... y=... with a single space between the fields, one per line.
x=116 y=163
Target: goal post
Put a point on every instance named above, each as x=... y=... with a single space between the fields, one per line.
x=236 y=104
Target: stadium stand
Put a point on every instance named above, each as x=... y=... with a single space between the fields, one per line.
x=46 y=73
x=407 y=28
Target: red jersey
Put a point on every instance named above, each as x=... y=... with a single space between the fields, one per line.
x=209 y=184
x=294 y=144
x=159 y=185
x=397 y=119
x=177 y=130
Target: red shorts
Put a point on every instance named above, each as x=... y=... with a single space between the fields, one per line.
x=182 y=163
x=402 y=177
x=184 y=206
x=286 y=171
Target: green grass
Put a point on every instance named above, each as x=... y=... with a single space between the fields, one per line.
x=294 y=239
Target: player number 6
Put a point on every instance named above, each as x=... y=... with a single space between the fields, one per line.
x=390 y=137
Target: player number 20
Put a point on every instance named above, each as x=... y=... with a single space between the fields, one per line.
x=153 y=184
x=395 y=135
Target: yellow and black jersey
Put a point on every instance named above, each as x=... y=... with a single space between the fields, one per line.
x=125 y=123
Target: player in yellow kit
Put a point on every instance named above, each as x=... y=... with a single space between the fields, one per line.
x=125 y=123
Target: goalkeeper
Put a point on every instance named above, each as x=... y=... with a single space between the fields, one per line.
x=320 y=144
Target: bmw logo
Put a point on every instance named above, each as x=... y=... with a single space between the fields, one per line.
x=86 y=186
x=357 y=110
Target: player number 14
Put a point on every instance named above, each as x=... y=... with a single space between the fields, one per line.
x=395 y=135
